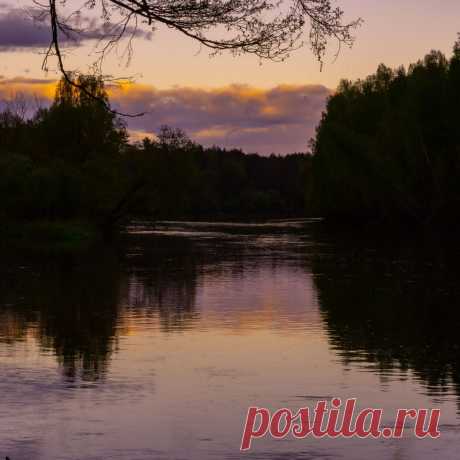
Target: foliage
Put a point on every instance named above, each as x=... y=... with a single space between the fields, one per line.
x=192 y=181
x=73 y=161
x=387 y=146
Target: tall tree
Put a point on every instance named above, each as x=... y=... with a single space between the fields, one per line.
x=387 y=147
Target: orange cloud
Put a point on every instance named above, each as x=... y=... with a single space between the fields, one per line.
x=277 y=120
x=13 y=87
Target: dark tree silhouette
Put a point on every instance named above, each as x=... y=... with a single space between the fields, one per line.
x=391 y=300
x=387 y=147
x=73 y=161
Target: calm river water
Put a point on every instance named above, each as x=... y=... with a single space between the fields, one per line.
x=154 y=347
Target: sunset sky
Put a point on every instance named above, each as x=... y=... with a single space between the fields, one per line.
x=234 y=102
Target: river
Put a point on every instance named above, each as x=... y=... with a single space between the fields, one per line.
x=154 y=347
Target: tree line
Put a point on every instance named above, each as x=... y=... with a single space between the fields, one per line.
x=74 y=160
x=388 y=148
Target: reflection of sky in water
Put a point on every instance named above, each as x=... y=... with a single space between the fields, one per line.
x=197 y=329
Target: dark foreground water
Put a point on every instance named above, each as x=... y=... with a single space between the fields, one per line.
x=154 y=348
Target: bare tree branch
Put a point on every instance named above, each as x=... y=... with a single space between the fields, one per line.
x=268 y=29
x=56 y=27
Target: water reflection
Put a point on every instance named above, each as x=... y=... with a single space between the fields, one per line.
x=387 y=307
x=68 y=302
x=174 y=323
x=72 y=302
x=160 y=280
x=393 y=306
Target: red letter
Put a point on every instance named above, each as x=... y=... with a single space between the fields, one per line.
x=333 y=416
x=249 y=432
x=303 y=429
x=348 y=417
x=374 y=428
x=401 y=420
x=319 y=417
x=275 y=429
x=433 y=430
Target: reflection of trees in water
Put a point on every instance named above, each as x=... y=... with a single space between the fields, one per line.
x=68 y=302
x=161 y=281
x=74 y=303
x=393 y=306
x=163 y=273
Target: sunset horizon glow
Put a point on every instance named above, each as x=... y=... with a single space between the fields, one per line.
x=232 y=102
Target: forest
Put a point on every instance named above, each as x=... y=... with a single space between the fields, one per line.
x=73 y=161
x=387 y=149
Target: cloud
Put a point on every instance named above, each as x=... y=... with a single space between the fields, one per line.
x=31 y=89
x=22 y=30
x=277 y=120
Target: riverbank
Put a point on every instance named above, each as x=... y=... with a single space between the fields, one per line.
x=60 y=234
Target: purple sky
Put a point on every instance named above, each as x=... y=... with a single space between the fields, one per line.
x=235 y=102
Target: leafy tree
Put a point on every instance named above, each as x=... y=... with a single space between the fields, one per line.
x=73 y=161
x=387 y=147
x=77 y=125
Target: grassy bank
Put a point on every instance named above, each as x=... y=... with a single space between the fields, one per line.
x=60 y=234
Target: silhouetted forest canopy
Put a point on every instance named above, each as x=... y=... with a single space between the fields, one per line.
x=388 y=147
x=73 y=161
